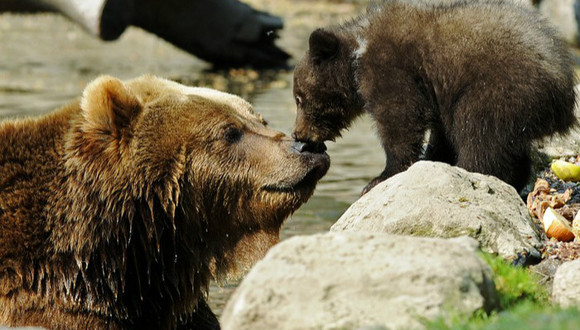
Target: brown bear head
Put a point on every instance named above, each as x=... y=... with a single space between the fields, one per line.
x=166 y=186
x=325 y=87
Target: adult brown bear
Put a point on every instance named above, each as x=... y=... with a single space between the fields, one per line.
x=484 y=77
x=117 y=210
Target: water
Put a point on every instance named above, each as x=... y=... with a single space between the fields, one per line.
x=45 y=61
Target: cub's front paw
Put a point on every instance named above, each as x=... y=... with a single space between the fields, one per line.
x=371 y=184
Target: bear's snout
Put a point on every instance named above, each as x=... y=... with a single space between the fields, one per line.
x=308 y=146
x=303 y=131
x=315 y=159
x=311 y=164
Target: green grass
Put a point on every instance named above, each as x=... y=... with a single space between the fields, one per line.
x=522 y=316
x=515 y=284
x=524 y=304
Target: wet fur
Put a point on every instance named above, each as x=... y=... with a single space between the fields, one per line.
x=117 y=210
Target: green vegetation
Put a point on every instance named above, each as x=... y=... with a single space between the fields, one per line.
x=522 y=316
x=524 y=304
x=515 y=284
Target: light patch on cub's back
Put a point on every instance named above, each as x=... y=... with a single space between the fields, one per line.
x=362 y=47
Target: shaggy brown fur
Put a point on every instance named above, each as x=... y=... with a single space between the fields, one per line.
x=485 y=77
x=117 y=210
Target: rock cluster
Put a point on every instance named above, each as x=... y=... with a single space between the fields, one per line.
x=377 y=268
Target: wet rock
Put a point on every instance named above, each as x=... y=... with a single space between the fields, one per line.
x=438 y=200
x=566 y=288
x=360 y=280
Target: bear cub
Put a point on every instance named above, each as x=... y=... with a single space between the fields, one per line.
x=479 y=79
x=117 y=210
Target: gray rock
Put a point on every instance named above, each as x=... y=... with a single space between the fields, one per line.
x=566 y=288
x=360 y=280
x=438 y=200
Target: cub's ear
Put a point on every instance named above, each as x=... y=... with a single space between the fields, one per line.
x=323 y=45
x=108 y=106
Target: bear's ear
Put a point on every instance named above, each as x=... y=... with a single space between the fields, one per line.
x=108 y=106
x=323 y=45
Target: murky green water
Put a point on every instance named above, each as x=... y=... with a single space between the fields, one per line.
x=45 y=61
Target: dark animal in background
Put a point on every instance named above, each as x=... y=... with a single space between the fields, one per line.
x=483 y=78
x=227 y=33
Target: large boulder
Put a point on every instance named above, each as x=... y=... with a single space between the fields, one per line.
x=566 y=288
x=353 y=280
x=438 y=200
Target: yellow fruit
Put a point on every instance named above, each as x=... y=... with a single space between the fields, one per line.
x=565 y=170
x=555 y=225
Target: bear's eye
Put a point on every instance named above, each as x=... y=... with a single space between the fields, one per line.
x=298 y=100
x=232 y=134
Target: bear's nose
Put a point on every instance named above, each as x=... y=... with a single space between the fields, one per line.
x=309 y=146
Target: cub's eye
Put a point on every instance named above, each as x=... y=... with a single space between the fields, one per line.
x=298 y=100
x=232 y=134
